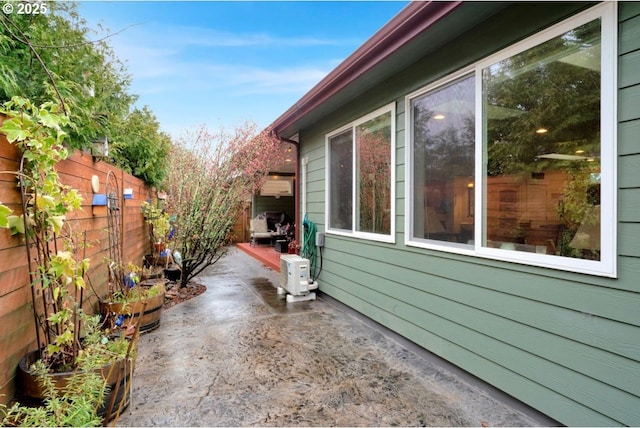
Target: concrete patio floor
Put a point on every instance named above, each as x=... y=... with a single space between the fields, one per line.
x=238 y=355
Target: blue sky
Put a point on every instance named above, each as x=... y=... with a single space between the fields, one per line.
x=220 y=63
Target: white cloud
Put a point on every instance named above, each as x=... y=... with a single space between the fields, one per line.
x=184 y=36
x=161 y=69
x=182 y=73
x=158 y=61
x=266 y=81
x=165 y=75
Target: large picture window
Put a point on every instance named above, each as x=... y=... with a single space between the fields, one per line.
x=360 y=176
x=515 y=160
x=543 y=149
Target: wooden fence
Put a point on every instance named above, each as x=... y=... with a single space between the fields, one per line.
x=17 y=331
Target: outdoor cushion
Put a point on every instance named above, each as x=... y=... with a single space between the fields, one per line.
x=262 y=235
x=259 y=229
x=258 y=225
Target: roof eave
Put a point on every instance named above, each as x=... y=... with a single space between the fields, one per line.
x=415 y=18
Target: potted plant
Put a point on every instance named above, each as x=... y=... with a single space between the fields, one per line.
x=72 y=405
x=161 y=231
x=79 y=399
x=106 y=363
x=132 y=302
x=57 y=271
x=159 y=222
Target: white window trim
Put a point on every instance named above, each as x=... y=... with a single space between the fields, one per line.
x=606 y=267
x=390 y=238
x=409 y=200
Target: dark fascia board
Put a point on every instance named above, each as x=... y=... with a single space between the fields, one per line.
x=413 y=20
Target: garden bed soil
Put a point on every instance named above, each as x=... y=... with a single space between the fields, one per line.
x=176 y=294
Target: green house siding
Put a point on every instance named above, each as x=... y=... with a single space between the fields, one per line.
x=564 y=343
x=628 y=141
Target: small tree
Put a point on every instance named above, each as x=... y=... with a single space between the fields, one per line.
x=211 y=180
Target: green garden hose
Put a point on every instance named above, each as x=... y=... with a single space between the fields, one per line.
x=309 y=250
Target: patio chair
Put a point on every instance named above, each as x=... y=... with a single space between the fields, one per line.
x=259 y=230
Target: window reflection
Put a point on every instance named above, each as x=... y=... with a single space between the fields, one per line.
x=443 y=138
x=373 y=146
x=341 y=181
x=542 y=139
x=360 y=176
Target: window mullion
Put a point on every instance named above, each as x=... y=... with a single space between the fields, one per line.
x=479 y=189
x=354 y=180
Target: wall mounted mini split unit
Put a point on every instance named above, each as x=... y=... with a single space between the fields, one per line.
x=277 y=186
x=294 y=278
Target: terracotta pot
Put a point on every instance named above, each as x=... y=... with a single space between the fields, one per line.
x=150 y=315
x=117 y=374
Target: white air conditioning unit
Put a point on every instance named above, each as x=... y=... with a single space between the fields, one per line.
x=294 y=278
x=277 y=186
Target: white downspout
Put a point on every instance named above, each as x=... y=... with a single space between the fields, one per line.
x=303 y=195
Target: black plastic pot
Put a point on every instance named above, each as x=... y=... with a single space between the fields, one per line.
x=173 y=274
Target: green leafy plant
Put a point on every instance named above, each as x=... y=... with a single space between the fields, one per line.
x=158 y=219
x=79 y=400
x=52 y=56
x=40 y=131
x=129 y=288
x=75 y=404
x=140 y=148
x=58 y=272
x=136 y=294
